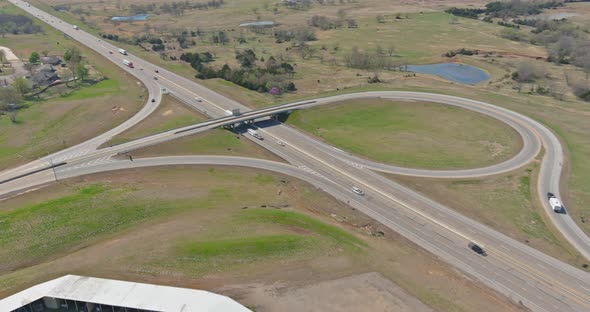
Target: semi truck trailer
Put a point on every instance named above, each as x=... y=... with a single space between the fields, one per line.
x=123 y=51
x=128 y=63
x=254 y=133
x=233 y=112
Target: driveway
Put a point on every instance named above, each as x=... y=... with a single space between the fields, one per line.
x=16 y=63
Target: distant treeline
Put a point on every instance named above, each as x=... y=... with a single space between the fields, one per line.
x=502 y=9
x=174 y=8
x=17 y=24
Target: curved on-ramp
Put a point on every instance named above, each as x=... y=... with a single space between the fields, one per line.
x=533 y=133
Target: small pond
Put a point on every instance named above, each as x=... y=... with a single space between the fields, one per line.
x=460 y=73
x=132 y=18
x=257 y=23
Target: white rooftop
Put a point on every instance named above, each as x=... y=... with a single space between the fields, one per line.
x=124 y=294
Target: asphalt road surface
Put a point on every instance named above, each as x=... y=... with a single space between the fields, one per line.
x=521 y=273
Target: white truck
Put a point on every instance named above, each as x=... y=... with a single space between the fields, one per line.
x=555 y=203
x=128 y=63
x=123 y=51
x=76 y=27
x=233 y=112
x=254 y=133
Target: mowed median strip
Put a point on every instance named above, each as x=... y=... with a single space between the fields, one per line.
x=411 y=134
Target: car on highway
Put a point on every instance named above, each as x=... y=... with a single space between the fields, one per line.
x=555 y=204
x=157 y=71
x=198 y=99
x=155 y=78
x=281 y=143
x=477 y=249
x=357 y=191
x=111 y=52
x=153 y=100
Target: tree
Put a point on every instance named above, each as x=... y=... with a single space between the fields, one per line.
x=34 y=58
x=45 y=52
x=81 y=71
x=9 y=100
x=390 y=50
x=8 y=96
x=528 y=72
x=247 y=58
x=21 y=85
x=73 y=55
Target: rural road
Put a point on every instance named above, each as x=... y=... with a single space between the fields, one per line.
x=521 y=273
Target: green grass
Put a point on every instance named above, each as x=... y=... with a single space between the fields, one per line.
x=212 y=142
x=411 y=134
x=291 y=218
x=246 y=248
x=55 y=225
x=101 y=88
x=80 y=216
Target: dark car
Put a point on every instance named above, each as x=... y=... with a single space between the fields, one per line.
x=550 y=195
x=153 y=100
x=477 y=249
x=155 y=78
x=157 y=71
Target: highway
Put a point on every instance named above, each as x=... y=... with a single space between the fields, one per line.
x=523 y=274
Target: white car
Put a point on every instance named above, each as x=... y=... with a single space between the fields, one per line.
x=281 y=143
x=357 y=191
x=198 y=99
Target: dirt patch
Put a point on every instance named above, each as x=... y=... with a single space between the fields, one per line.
x=362 y=292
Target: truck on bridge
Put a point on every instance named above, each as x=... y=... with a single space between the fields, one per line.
x=233 y=112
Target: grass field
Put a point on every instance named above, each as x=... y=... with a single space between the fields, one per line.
x=171 y=114
x=199 y=227
x=48 y=126
x=213 y=142
x=411 y=134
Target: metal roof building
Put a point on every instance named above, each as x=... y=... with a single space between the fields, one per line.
x=122 y=294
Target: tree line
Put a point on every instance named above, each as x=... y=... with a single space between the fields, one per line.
x=270 y=76
x=506 y=9
x=17 y=24
x=173 y=8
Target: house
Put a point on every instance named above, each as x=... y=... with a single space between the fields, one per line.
x=44 y=75
x=51 y=60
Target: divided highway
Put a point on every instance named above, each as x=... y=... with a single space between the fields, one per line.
x=521 y=273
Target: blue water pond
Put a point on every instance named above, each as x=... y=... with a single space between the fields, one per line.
x=141 y=17
x=460 y=73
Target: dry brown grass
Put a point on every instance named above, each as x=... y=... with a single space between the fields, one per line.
x=142 y=252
